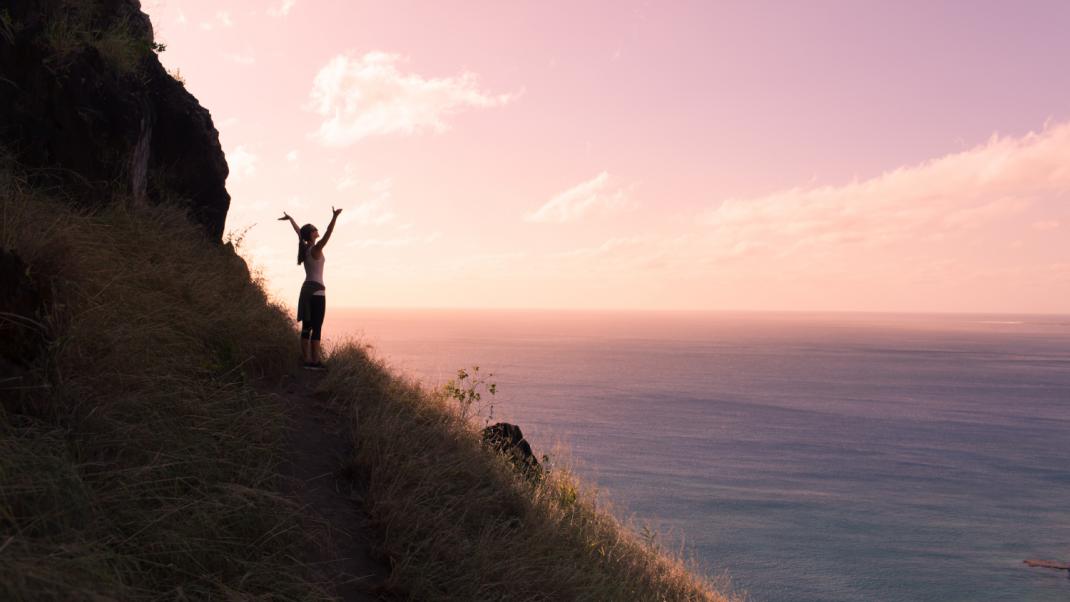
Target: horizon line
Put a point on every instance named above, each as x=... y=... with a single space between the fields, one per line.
x=700 y=310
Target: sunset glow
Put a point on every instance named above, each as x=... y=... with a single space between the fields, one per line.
x=747 y=155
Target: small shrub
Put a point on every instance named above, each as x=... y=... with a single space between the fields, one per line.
x=467 y=391
x=177 y=76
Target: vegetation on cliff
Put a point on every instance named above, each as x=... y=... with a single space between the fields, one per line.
x=460 y=522
x=141 y=460
x=136 y=458
x=139 y=450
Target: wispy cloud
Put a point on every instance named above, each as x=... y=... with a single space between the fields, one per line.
x=994 y=181
x=374 y=209
x=609 y=247
x=242 y=164
x=596 y=194
x=1046 y=224
x=221 y=19
x=347 y=180
x=396 y=242
x=282 y=9
x=369 y=95
x=245 y=58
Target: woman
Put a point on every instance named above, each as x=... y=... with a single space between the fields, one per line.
x=312 y=304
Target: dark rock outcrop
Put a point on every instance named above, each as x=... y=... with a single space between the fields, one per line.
x=507 y=439
x=86 y=104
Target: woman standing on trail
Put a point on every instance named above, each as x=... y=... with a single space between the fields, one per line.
x=312 y=304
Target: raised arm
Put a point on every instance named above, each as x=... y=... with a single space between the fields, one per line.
x=286 y=216
x=327 y=235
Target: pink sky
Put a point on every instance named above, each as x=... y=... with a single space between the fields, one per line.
x=873 y=156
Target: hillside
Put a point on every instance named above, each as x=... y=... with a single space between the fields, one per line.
x=148 y=390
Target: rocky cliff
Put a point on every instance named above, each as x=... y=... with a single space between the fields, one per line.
x=85 y=105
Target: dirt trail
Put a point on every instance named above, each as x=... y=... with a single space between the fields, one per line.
x=319 y=449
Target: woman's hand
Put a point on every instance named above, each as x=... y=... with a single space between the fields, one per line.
x=286 y=216
x=330 y=228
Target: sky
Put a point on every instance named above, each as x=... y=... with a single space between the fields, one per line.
x=814 y=156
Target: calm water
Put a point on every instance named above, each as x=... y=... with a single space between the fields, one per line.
x=813 y=457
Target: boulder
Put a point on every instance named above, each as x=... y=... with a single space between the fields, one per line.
x=507 y=439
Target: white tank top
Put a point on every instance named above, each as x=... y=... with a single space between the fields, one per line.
x=314 y=269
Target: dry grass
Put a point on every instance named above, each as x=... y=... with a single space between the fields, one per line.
x=143 y=464
x=458 y=523
x=146 y=468
x=74 y=25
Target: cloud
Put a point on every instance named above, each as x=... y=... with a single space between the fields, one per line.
x=221 y=19
x=397 y=242
x=291 y=156
x=282 y=9
x=579 y=201
x=348 y=179
x=373 y=211
x=1047 y=224
x=609 y=247
x=240 y=58
x=368 y=95
x=242 y=164
x=939 y=199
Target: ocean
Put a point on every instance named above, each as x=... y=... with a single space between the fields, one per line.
x=831 y=457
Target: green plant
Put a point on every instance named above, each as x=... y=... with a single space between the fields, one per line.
x=467 y=391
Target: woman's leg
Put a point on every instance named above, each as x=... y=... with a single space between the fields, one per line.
x=306 y=341
x=319 y=310
x=306 y=344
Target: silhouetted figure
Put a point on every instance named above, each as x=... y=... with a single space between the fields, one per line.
x=312 y=304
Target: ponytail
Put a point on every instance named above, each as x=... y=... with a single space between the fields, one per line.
x=304 y=242
x=302 y=246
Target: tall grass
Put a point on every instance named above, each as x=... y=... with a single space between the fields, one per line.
x=459 y=523
x=74 y=25
x=142 y=463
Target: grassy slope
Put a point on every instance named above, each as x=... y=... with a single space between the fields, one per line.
x=459 y=523
x=148 y=467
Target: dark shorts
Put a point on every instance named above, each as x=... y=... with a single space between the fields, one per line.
x=310 y=310
x=310 y=328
